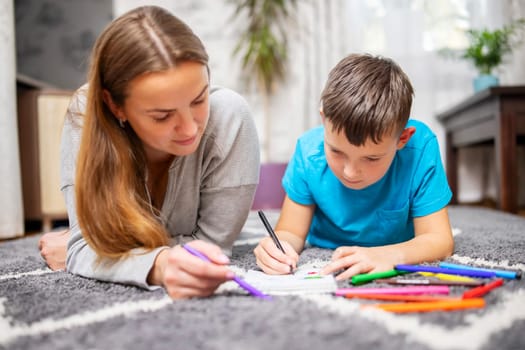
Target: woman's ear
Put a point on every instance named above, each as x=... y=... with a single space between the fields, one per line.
x=117 y=111
x=405 y=137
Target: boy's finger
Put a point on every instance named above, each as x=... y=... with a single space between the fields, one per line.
x=355 y=269
x=339 y=264
x=273 y=267
x=342 y=252
x=275 y=253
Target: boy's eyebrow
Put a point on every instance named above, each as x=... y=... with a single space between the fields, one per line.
x=368 y=155
x=331 y=146
x=173 y=109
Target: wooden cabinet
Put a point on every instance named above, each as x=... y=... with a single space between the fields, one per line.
x=41 y=114
x=497 y=116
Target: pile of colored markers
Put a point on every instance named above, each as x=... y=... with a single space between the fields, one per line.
x=429 y=289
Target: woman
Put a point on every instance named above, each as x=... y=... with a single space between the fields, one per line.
x=161 y=158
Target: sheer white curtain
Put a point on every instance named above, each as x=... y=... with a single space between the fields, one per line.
x=11 y=211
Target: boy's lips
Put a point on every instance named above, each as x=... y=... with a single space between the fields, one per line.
x=353 y=182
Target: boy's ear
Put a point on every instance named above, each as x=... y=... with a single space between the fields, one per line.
x=405 y=137
x=117 y=111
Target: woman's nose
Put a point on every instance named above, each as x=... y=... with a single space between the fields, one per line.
x=186 y=124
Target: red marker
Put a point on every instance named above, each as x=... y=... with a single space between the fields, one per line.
x=482 y=290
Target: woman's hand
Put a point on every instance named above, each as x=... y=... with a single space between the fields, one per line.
x=184 y=275
x=272 y=261
x=53 y=249
x=357 y=260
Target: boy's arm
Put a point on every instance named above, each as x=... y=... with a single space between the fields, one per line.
x=294 y=223
x=433 y=241
x=433 y=238
x=292 y=228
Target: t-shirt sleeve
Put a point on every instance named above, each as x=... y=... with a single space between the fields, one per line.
x=295 y=181
x=431 y=189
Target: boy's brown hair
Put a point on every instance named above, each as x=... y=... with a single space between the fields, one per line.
x=368 y=97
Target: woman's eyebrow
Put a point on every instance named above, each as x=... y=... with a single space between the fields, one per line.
x=164 y=110
x=201 y=93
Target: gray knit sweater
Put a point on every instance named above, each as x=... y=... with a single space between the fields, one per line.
x=208 y=196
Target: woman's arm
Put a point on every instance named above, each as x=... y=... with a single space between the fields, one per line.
x=231 y=174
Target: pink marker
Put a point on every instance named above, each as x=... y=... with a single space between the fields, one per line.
x=395 y=291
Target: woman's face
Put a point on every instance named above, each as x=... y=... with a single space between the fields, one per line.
x=169 y=110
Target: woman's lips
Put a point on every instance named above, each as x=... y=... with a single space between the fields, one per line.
x=185 y=142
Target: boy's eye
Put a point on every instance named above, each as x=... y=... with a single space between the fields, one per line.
x=372 y=159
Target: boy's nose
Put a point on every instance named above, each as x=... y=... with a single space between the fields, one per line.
x=350 y=171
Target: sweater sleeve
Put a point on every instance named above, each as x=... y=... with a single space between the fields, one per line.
x=231 y=175
x=81 y=258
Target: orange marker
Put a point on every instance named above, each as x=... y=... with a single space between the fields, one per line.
x=431 y=306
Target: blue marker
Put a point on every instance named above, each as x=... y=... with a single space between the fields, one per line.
x=461 y=272
x=499 y=273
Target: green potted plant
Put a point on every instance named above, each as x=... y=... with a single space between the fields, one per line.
x=488 y=48
x=263 y=47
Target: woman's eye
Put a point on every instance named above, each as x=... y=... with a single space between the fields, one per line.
x=198 y=102
x=161 y=118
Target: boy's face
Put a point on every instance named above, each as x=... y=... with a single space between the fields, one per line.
x=360 y=167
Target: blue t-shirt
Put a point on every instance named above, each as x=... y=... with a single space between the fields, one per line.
x=415 y=185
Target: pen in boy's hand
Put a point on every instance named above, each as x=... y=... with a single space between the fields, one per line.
x=272 y=233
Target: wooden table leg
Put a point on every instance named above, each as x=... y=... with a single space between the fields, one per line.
x=506 y=162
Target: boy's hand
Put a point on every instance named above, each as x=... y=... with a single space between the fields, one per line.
x=357 y=260
x=272 y=261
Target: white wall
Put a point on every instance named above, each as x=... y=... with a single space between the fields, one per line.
x=11 y=211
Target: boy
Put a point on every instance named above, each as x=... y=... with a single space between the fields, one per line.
x=368 y=182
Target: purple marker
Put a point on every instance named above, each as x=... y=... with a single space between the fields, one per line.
x=242 y=283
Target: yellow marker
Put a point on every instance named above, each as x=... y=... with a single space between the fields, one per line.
x=448 y=277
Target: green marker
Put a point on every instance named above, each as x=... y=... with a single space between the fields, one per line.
x=367 y=277
x=313 y=277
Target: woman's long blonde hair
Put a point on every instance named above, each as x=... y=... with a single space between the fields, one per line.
x=113 y=209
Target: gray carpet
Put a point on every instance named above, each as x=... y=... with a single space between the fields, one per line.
x=44 y=310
